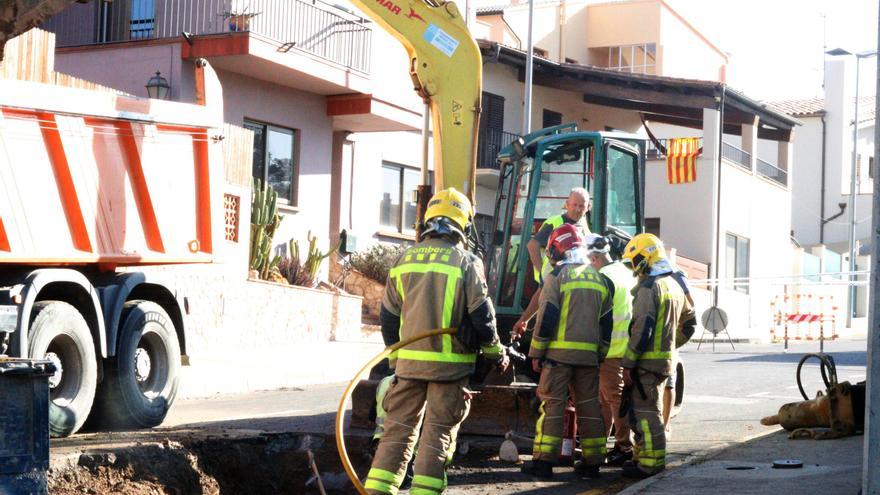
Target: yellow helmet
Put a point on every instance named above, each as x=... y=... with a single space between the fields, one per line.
x=451 y=204
x=642 y=251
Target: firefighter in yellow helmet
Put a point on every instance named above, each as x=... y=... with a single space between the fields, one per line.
x=661 y=309
x=434 y=284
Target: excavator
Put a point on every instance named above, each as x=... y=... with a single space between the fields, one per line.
x=537 y=172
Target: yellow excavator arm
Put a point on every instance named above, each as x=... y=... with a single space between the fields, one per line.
x=447 y=72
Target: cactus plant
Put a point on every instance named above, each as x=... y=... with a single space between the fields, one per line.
x=264 y=222
x=299 y=271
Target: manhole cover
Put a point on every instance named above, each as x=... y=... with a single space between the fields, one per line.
x=787 y=464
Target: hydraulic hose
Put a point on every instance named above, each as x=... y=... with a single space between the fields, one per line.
x=826 y=367
x=340 y=413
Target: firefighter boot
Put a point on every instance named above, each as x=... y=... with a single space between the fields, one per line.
x=585 y=470
x=617 y=456
x=539 y=469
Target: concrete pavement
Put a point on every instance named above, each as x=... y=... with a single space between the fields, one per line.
x=829 y=467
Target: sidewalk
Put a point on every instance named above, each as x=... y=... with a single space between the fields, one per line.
x=829 y=466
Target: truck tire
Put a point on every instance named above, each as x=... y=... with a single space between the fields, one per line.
x=58 y=332
x=140 y=386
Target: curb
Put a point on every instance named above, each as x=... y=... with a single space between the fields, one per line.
x=698 y=458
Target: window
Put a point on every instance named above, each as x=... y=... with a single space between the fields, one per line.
x=274 y=158
x=397 y=205
x=641 y=59
x=551 y=118
x=621 y=201
x=142 y=19
x=736 y=260
x=491 y=130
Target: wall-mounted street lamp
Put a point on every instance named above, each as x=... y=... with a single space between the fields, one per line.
x=158 y=87
x=853 y=186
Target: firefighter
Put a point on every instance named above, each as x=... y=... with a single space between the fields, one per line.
x=661 y=309
x=576 y=208
x=571 y=337
x=611 y=370
x=434 y=284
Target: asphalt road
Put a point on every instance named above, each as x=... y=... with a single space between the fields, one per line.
x=727 y=393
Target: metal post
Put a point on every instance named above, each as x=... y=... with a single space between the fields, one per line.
x=851 y=225
x=530 y=57
x=871 y=470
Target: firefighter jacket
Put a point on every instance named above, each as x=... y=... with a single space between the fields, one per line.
x=574 y=320
x=624 y=282
x=437 y=284
x=660 y=309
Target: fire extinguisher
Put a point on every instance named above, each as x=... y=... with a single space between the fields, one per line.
x=569 y=436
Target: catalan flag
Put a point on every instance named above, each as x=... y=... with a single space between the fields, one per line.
x=681 y=160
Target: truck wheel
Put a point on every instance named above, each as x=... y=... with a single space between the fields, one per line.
x=139 y=389
x=60 y=334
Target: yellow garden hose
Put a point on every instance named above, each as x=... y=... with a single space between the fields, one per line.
x=340 y=413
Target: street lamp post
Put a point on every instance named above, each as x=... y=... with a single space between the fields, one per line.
x=853 y=188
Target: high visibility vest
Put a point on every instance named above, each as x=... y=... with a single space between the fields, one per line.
x=624 y=282
x=555 y=222
x=381 y=391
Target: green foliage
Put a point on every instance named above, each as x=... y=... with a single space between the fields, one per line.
x=264 y=222
x=303 y=271
x=375 y=263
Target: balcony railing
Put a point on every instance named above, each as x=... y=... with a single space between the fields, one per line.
x=737 y=156
x=490 y=143
x=308 y=25
x=653 y=152
x=772 y=172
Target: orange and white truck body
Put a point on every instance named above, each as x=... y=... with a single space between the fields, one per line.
x=93 y=184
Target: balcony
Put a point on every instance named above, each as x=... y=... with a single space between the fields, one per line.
x=652 y=152
x=737 y=156
x=309 y=26
x=772 y=172
x=491 y=141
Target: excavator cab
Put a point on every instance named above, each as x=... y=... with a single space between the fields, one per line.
x=536 y=175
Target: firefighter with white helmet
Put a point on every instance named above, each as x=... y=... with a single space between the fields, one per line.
x=434 y=284
x=611 y=369
x=661 y=309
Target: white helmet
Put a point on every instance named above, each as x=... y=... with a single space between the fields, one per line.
x=597 y=244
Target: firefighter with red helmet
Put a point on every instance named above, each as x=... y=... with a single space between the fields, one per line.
x=572 y=335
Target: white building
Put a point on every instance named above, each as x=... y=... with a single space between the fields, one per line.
x=821 y=191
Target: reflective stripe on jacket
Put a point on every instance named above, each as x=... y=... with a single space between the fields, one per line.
x=659 y=308
x=431 y=286
x=582 y=297
x=624 y=282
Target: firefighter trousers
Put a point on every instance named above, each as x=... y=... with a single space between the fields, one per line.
x=610 y=388
x=442 y=406
x=649 y=449
x=553 y=390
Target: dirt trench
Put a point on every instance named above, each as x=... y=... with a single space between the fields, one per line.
x=268 y=463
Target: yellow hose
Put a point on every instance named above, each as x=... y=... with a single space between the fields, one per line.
x=340 y=413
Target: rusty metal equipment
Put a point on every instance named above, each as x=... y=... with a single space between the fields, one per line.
x=838 y=412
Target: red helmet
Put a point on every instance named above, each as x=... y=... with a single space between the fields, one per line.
x=563 y=239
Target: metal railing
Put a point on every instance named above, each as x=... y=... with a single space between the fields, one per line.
x=308 y=25
x=490 y=143
x=653 y=152
x=772 y=172
x=736 y=155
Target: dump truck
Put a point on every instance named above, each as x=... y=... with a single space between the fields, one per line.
x=97 y=185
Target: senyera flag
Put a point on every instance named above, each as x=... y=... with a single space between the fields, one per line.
x=681 y=160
